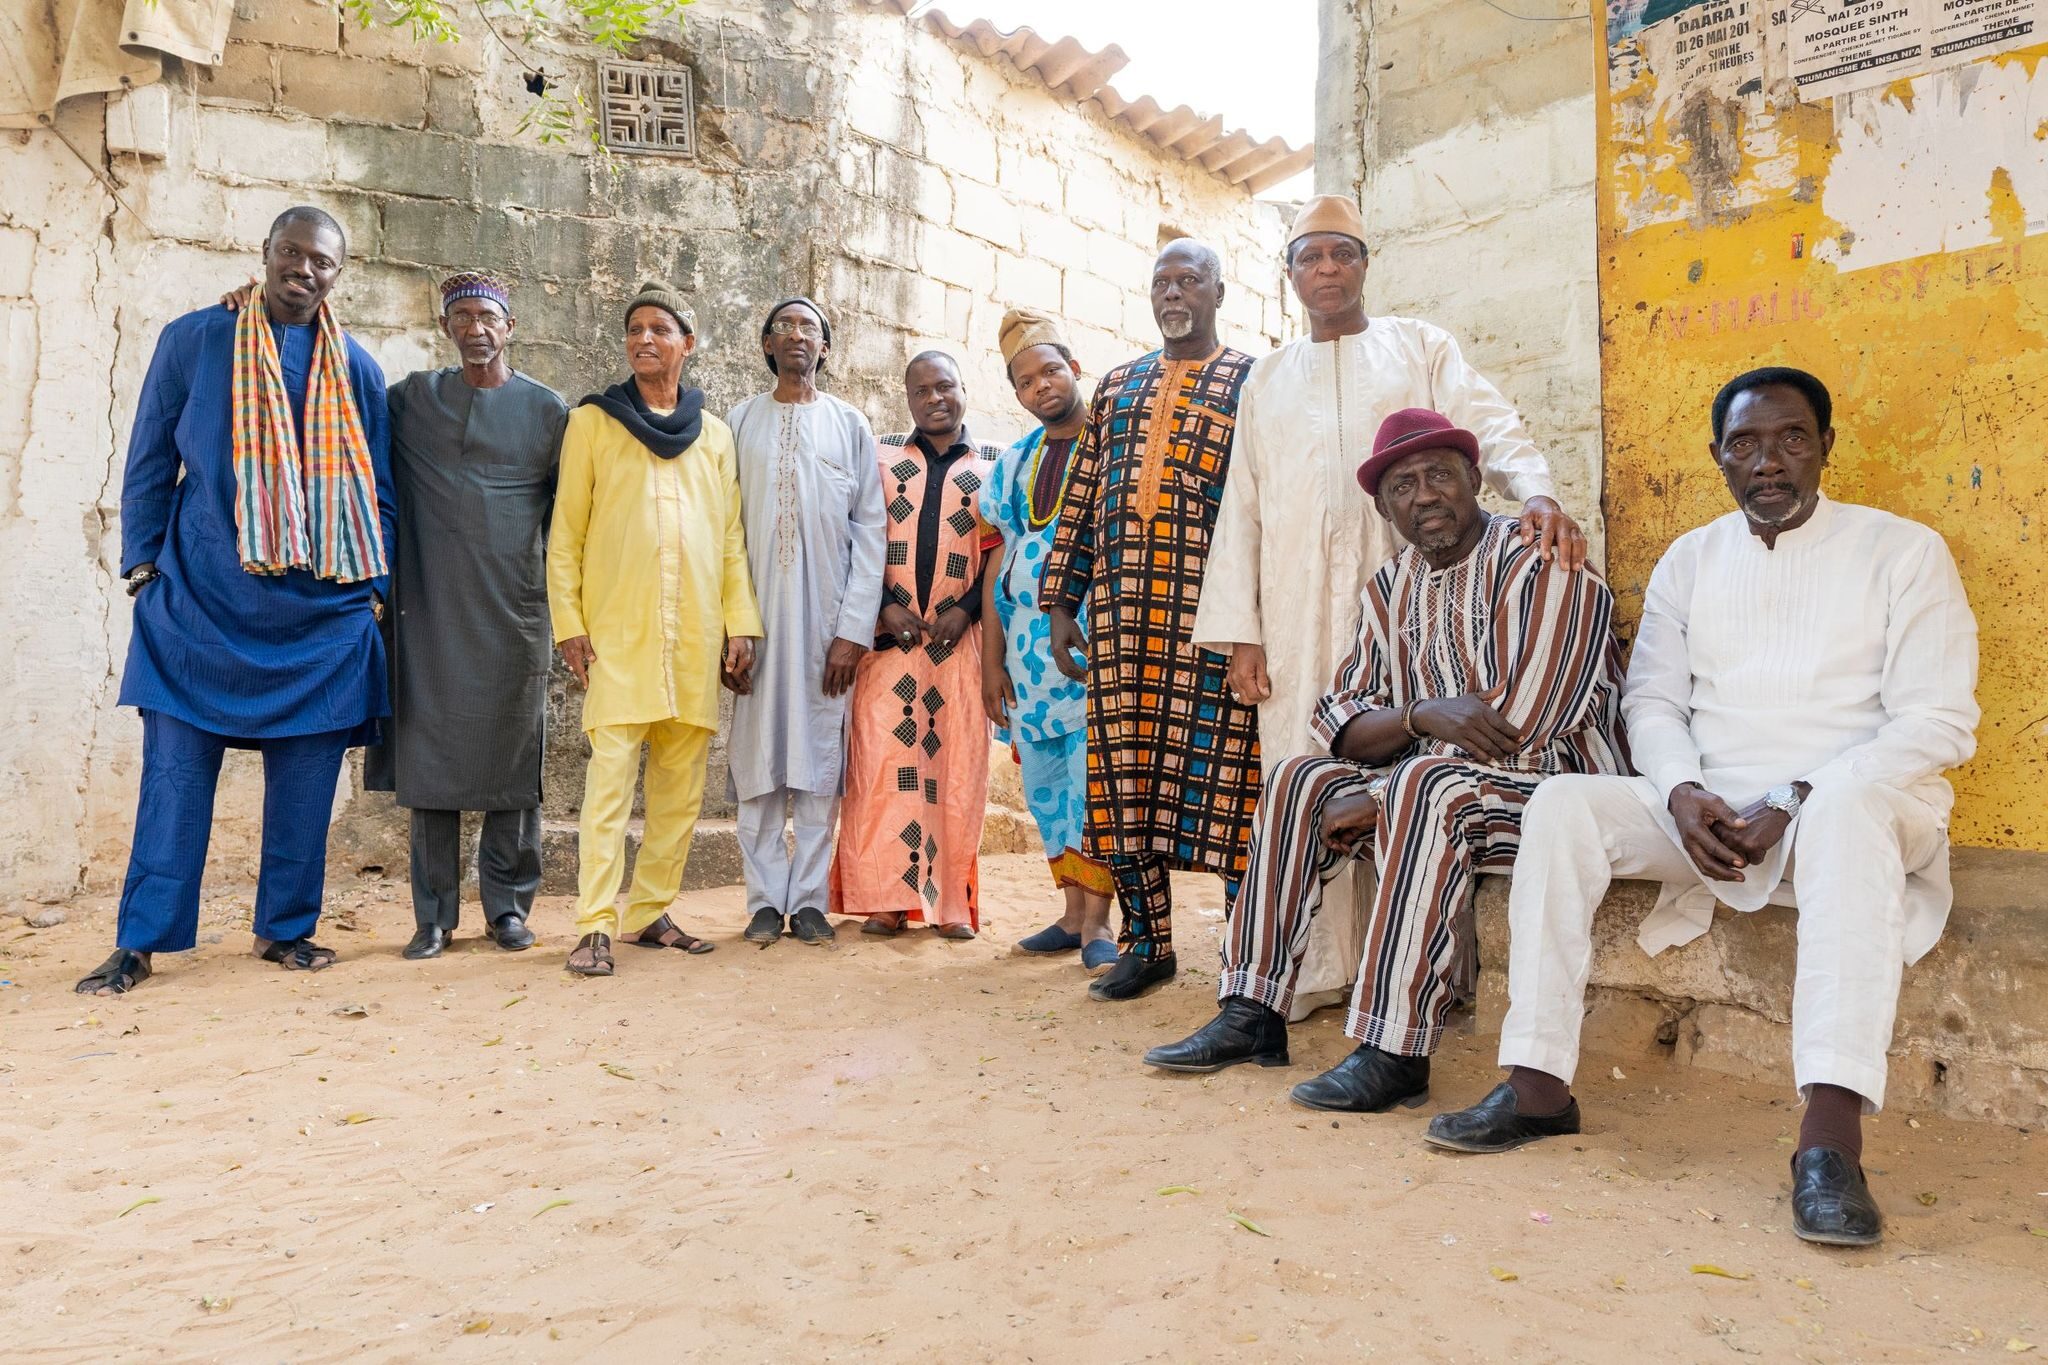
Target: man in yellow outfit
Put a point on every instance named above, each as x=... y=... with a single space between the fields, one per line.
x=647 y=579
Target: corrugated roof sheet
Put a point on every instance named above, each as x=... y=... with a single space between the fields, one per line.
x=1069 y=69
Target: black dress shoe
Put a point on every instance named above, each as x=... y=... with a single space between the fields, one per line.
x=1242 y=1031
x=510 y=933
x=1830 y=1201
x=765 y=926
x=1492 y=1125
x=810 y=926
x=1132 y=976
x=1369 y=1081
x=427 y=941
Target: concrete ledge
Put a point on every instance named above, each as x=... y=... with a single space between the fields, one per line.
x=1970 y=1041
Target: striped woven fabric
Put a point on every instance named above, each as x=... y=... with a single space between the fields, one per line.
x=312 y=509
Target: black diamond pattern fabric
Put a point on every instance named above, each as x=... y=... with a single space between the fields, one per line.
x=934 y=700
x=905 y=689
x=903 y=469
x=905 y=732
x=962 y=522
x=900 y=508
x=906 y=779
x=899 y=552
x=956 y=566
x=913 y=835
x=931 y=743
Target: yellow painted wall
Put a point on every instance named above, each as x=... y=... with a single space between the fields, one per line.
x=1718 y=254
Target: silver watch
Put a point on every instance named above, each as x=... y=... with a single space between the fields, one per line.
x=1785 y=798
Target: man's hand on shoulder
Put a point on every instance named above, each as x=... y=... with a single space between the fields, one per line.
x=235 y=299
x=1554 y=534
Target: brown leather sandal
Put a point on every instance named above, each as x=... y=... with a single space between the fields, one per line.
x=596 y=953
x=667 y=934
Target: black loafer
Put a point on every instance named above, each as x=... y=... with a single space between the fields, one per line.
x=1369 y=1081
x=1132 y=976
x=427 y=941
x=765 y=926
x=810 y=926
x=510 y=933
x=1492 y=1125
x=1831 y=1204
x=1242 y=1031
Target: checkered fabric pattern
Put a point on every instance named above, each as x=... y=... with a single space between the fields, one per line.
x=1173 y=761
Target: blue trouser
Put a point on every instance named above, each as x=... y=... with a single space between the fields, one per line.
x=174 y=819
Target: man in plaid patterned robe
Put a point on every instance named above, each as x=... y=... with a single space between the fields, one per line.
x=1173 y=759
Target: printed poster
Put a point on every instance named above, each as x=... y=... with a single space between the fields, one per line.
x=1838 y=45
x=1960 y=31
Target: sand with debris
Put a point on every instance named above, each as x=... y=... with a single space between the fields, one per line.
x=892 y=1150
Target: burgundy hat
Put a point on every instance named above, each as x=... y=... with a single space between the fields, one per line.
x=1409 y=432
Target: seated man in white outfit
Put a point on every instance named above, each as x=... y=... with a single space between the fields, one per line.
x=1804 y=674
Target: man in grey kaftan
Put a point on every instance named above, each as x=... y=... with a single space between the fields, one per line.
x=810 y=491
x=474 y=451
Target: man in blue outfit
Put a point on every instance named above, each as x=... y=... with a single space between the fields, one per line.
x=257 y=578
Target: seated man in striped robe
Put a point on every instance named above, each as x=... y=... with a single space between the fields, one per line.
x=1482 y=667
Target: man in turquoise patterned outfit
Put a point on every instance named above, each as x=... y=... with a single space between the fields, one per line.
x=1040 y=711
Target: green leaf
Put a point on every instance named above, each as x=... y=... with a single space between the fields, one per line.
x=1708 y=1268
x=146 y=1199
x=556 y=1204
x=1165 y=1190
x=1248 y=1225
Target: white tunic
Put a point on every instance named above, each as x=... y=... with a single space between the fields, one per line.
x=1297 y=540
x=811 y=496
x=1848 y=652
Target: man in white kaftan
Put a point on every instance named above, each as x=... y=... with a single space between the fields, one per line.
x=1804 y=673
x=811 y=495
x=1298 y=541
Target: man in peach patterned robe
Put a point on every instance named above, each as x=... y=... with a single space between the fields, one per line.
x=917 y=757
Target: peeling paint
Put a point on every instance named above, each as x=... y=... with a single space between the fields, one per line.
x=1891 y=241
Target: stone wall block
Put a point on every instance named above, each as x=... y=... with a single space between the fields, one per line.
x=1116 y=258
x=1027 y=280
x=1056 y=237
x=982 y=211
x=1093 y=300
x=1031 y=174
x=881 y=237
x=17 y=264
x=452 y=105
x=1142 y=328
x=876 y=108
x=434 y=234
x=329 y=86
x=257 y=146
x=962 y=145
x=311 y=24
x=786 y=87
x=373 y=294
x=247 y=75
x=252 y=208
x=654 y=190
x=402 y=161
x=914 y=185
x=956 y=258
x=386 y=42
x=549 y=181
x=139 y=122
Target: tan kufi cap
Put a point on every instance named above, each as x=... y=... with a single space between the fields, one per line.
x=1328 y=213
x=1024 y=328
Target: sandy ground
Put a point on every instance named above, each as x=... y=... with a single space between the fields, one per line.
x=891 y=1150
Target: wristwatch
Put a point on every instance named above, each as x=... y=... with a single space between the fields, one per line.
x=1785 y=798
x=1376 y=788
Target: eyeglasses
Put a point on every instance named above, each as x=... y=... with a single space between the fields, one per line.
x=785 y=327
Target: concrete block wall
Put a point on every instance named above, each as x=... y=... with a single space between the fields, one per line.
x=976 y=189
x=1472 y=135
x=416 y=149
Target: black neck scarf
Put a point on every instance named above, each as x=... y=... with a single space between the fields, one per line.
x=667 y=436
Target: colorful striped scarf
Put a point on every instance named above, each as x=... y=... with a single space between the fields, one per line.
x=312 y=509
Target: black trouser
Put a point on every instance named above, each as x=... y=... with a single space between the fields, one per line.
x=507 y=864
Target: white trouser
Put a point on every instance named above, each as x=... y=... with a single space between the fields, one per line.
x=1853 y=845
x=775 y=880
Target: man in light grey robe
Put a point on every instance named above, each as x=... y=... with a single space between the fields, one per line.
x=811 y=495
x=474 y=450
